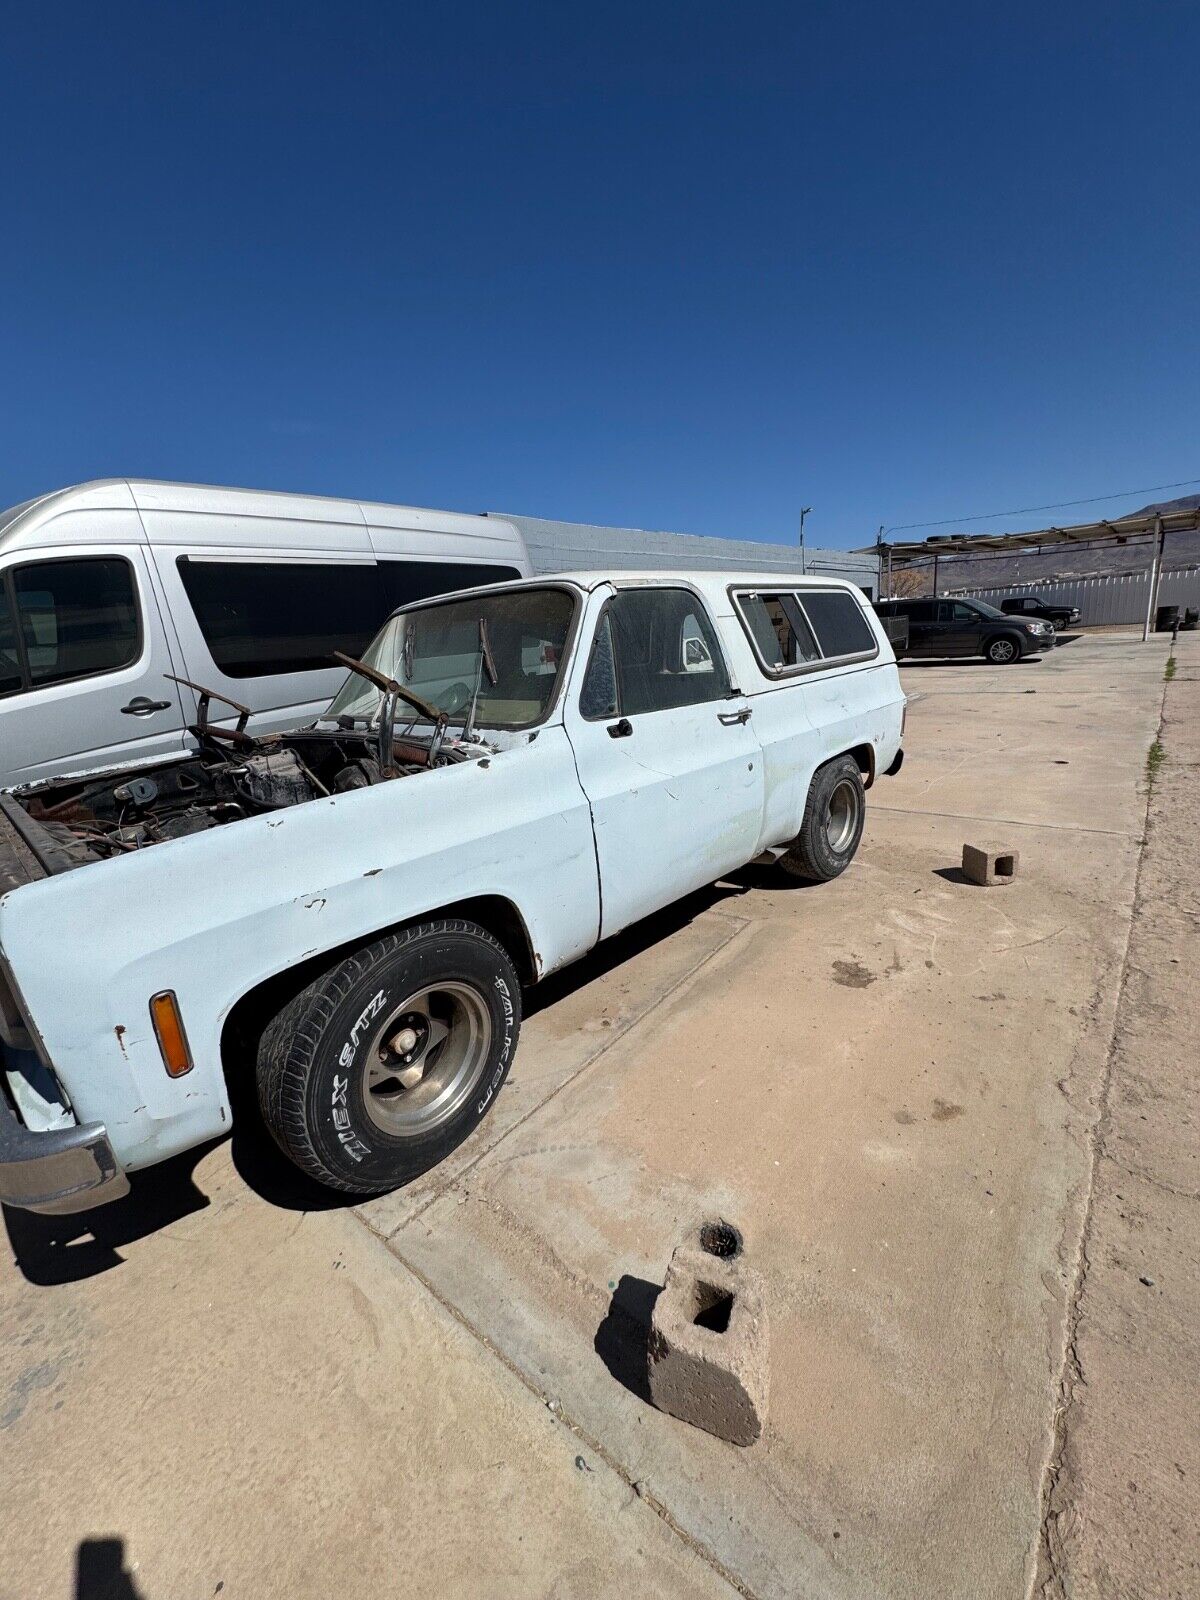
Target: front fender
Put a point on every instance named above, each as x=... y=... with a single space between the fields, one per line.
x=214 y=915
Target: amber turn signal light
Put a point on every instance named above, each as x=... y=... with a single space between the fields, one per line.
x=172 y=1041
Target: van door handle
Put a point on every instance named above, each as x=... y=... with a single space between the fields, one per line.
x=732 y=718
x=620 y=730
x=141 y=707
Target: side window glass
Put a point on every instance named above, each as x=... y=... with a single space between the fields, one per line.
x=965 y=614
x=266 y=618
x=664 y=650
x=76 y=618
x=10 y=661
x=598 y=697
x=779 y=628
x=402 y=582
x=838 y=621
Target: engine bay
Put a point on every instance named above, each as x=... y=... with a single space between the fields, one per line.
x=68 y=822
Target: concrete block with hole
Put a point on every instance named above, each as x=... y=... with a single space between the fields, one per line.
x=708 y=1338
x=989 y=867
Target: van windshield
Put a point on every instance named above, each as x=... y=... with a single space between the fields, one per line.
x=435 y=652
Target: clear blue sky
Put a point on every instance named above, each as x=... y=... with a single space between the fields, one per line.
x=678 y=266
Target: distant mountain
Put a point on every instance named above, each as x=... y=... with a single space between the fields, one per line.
x=1186 y=502
x=1063 y=561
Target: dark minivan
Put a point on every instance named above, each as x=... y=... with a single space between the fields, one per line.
x=966 y=628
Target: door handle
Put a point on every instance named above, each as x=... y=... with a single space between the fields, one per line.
x=141 y=707
x=620 y=730
x=732 y=718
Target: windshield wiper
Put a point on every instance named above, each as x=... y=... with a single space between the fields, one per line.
x=203 y=729
x=486 y=661
x=389 y=686
x=392 y=691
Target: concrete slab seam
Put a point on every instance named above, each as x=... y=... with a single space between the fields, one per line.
x=636 y=1486
x=740 y=924
x=1044 y=1568
x=1011 y=822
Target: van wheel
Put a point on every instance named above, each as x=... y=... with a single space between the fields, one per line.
x=1002 y=650
x=385 y=1063
x=834 y=815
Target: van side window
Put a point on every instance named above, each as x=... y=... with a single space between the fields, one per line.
x=10 y=662
x=657 y=648
x=264 y=618
x=76 y=618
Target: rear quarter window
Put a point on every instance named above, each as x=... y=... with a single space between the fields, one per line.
x=838 y=622
x=796 y=629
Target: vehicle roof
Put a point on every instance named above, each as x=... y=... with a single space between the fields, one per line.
x=25 y=523
x=705 y=579
x=714 y=586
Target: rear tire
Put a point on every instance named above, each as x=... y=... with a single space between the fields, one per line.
x=834 y=815
x=384 y=1064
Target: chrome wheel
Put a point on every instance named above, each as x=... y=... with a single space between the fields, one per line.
x=1003 y=650
x=842 y=816
x=426 y=1059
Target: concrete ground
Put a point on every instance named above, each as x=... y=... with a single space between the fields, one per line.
x=913 y=1095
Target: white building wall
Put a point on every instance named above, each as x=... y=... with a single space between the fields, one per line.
x=581 y=546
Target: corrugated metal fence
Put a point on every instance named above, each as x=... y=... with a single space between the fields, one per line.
x=1112 y=598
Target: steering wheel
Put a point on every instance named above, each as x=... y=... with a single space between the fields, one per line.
x=456 y=698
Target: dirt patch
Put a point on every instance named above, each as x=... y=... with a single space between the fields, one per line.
x=852 y=974
x=946 y=1111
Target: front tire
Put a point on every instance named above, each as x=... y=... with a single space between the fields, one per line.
x=834 y=816
x=384 y=1064
x=1002 y=650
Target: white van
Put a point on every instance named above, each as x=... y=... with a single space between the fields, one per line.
x=112 y=591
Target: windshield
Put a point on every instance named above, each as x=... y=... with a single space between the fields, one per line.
x=435 y=652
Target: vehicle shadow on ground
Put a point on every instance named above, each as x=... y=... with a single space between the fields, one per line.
x=631 y=942
x=100 y=1572
x=923 y=662
x=57 y=1250
x=622 y=1339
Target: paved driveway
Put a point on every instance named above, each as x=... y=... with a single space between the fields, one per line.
x=888 y=1082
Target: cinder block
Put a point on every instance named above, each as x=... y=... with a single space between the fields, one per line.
x=708 y=1344
x=989 y=867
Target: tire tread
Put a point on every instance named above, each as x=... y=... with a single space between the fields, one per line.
x=290 y=1039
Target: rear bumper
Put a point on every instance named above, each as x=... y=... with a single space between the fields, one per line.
x=62 y=1170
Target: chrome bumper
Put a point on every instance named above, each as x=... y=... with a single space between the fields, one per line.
x=62 y=1170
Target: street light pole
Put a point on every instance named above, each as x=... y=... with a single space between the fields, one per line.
x=804 y=510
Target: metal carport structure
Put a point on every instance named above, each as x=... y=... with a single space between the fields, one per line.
x=1147 y=529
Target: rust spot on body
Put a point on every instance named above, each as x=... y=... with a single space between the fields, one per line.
x=120 y=1030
